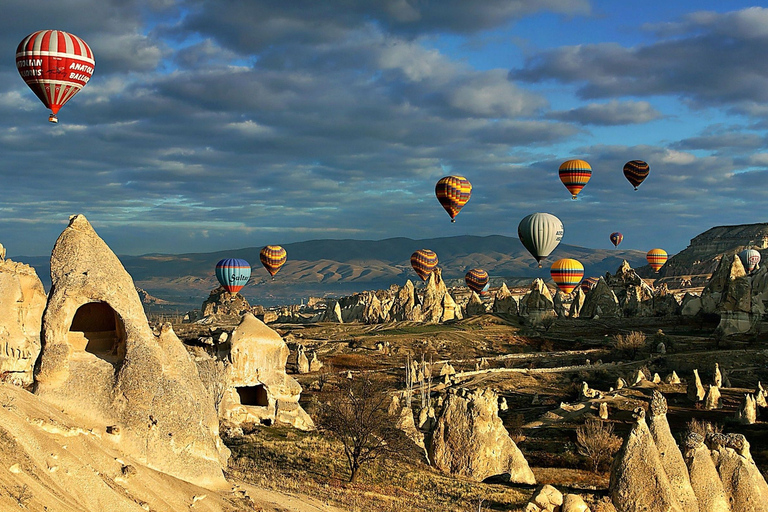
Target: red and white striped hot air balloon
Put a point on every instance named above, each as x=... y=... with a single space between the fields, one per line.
x=55 y=65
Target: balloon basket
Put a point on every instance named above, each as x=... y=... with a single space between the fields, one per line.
x=453 y=220
x=53 y=119
x=573 y=198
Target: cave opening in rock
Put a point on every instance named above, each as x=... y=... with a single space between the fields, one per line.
x=97 y=329
x=253 y=395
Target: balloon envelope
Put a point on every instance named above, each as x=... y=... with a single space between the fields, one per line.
x=589 y=283
x=636 y=171
x=233 y=274
x=656 y=258
x=750 y=258
x=273 y=257
x=575 y=174
x=567 y=273
x=424 y=262
x=453 y=192
x=55 y=65
x=477 y=280
x=540 y=233
x=616 y=238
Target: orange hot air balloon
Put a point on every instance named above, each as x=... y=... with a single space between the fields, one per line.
x=453 y=192
x=567 y=273
x=424 y=262
x=476 y=279
x=656 y=258
x=55 y=65
x=273 y=257
x=575 y=174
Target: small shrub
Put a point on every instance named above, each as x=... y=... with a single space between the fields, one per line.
x=702 y=427
x=630 y=343
x=22 y=494
x=595 y=441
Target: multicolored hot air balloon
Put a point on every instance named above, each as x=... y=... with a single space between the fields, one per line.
x=540 y=233
x=273 y=257
x=567 y=273
x=233 y=274
x=575 y=174
x=477 y=280
x=636 y=171
x=750 y=258
x=424 y=262
x=656 y=258
x=453 y=192
x=616 y=238
x=589 y=283
x=55 y=65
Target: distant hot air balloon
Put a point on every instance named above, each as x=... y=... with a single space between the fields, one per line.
x=424 y=262
x=750 y=258
x=477 y=280
x=453 y=193
x=616 y=238
x=575 y=174
x=55 y=65
x=589 y=283
x=540 y=233
x=233 y=274
x=636 y=171
x=566 y=273
x=273 y=257
x=656 y=258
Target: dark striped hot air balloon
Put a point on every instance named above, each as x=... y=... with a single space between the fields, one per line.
x=424 y=262
x=233 y=274
x=477 y=280
x=273 y=257
x=55 y=65
x=575 y=174
x=750 y=258
x=636 y=171
x=589 y=283
x=567 y=273
x=656 y=258
x=616 y=238
x=453 y=193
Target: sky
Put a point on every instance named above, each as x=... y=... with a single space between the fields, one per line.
x=221 y=124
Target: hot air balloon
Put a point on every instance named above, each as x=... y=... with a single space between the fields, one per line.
x=636 y=171
x=575 y=174
x=233 y=274
x=750 y=258
x=477 y=280
x=589 y=283
x=424 y=262
x=453 y=193
x=273 y=257
x=540 y=233
x=616 y=238
x=566 y=273
x=656 y=258
x=55 y=65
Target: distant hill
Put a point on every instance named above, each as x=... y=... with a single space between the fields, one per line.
x=333 y=267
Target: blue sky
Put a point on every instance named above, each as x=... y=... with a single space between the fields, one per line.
x=213 y=124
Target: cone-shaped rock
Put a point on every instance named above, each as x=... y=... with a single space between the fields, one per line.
x=438 y=305
x=504 y=302
x=101 y=361
x=705 y=480
x=406 y=304
x=696 y=391
x=743 y=483
x=601 y=298
x=577 y=303
x=475 y=305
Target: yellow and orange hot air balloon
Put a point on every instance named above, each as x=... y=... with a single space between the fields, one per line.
x=656 y=258
x=453 y=192
x=273 y=257
x=424 y=262
x=575 y=174
x=567 y=273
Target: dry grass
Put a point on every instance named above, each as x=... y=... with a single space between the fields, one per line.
x=596 y=441
x=284 y=460
x=630 y=343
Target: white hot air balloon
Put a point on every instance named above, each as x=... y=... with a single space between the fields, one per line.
x=540 y=233
x=750 y=258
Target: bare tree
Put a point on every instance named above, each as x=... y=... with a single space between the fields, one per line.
x=595 y=441
x=358 y=416
x=630 y=343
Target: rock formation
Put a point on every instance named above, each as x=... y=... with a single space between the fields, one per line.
x=546 y=499
x=406 y=305
x=712 y=400
x=437 y=304
x=537 y=303
x=469 y=439
x=332 y=313
x=601 y=301
x=696 y=391
x=574 y=503
x=743 y=483
x=705 y=480
x=577 y=303
x=717 y=380
x=223 y=303
x=504 y=302
x=672 y=378
x=258 y=389
x=747 y=413
x=22 y=301
x=475 y=305
x=671 y=458
x=101 y=362
x=638 y=480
